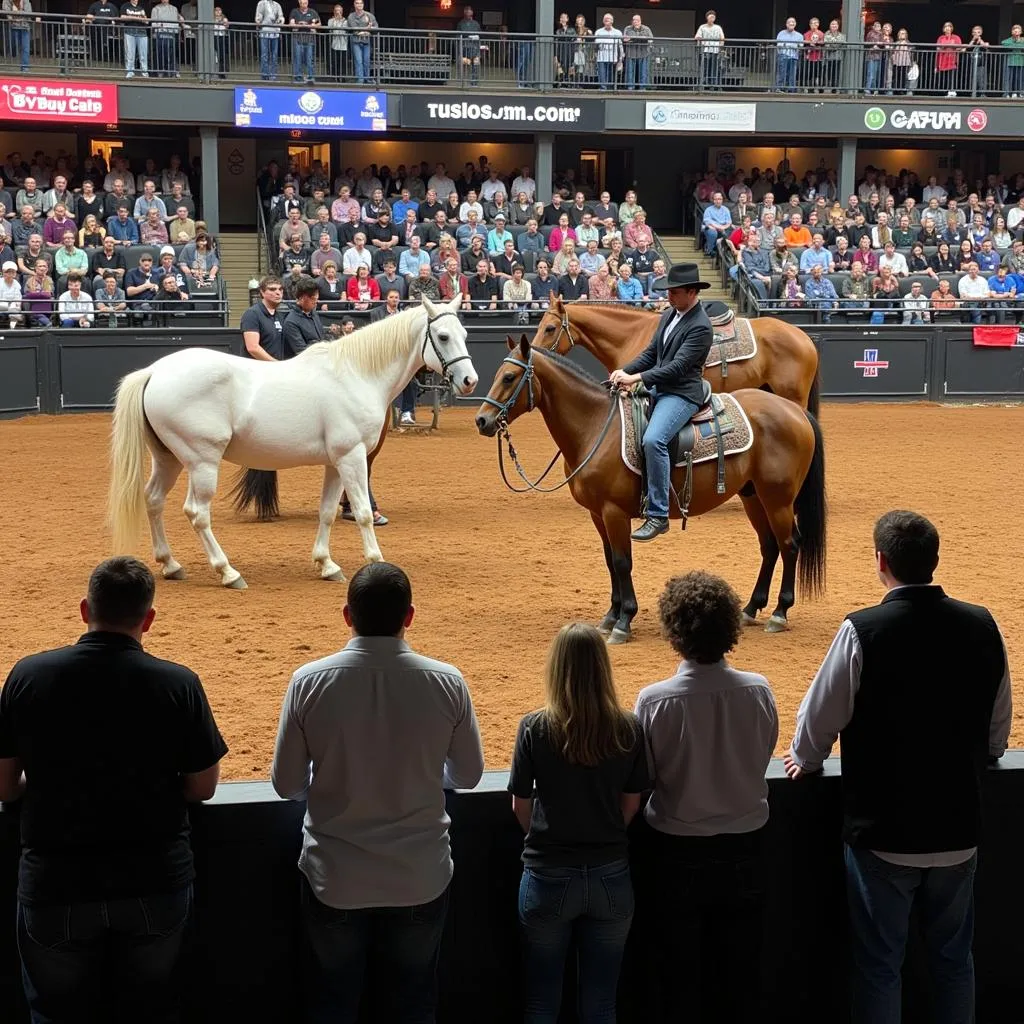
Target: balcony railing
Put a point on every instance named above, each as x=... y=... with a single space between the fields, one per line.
x=244 y=52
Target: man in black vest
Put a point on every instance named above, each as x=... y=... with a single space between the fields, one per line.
x=918 y=664
x=672 y=369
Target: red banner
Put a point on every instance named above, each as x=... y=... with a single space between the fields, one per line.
x=55 y=102
x=997 y=336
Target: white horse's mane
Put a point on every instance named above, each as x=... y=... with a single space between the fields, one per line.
x=372 y=348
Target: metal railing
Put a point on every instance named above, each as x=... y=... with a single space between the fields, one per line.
x=244 y=52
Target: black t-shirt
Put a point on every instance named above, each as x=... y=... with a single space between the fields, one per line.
x=83 y=207
x=100 y=261
x=428 y=211
x=104 y=732
x=269 y=326
x=470 y=259
x=301 y=329
x=307 y=17
x=577 y=818
x=103 y=10
x=481 y=292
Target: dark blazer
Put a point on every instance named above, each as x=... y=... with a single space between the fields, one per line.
x=679 y=368
x=301 y=330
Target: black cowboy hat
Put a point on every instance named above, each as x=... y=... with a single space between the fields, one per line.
x=685 y=275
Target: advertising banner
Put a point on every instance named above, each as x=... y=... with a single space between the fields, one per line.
x=496 y=113
x=701 y=117
x=55 y=102
x=311 y=109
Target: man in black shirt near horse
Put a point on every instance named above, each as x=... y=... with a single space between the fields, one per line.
x=672 y=369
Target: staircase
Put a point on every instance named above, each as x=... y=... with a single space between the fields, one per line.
x=683 y=249
x=240 y=262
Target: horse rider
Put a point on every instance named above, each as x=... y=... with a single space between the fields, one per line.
x=671 y=368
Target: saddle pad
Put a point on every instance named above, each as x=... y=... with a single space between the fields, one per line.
x=736 y=346
x=739 y=439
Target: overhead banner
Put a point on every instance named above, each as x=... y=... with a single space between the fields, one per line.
x=311 y=108
x=701 y=117
x=55 y=102
x=497 y=114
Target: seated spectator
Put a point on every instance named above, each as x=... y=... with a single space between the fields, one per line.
x=942 y=300
x=86 y=203
x=559 y=234
x=842 y=255
x=75 y=307
x=382 y=234
x=503 y=263
x=881 y=233
x=781 y=259
x=867 y=255
x=452 y=208
x=627 y=287
x=972 y=287
x=587 y=230
x=605 y=210
x=483 y=287
x=544 y=282
x=918 y=262
x=522 y=210
x=399 y=208
x=836 y=229
x=56 y=225
x=323 y=252
x=964 y=256
x=147 y=202
x=497 y=235
x=1014 y=259
x=820 y=293
x=560 y=262
x=895 y=261
x=313 y=205
x=955 y=233
x=331 y=294
x=181 y=229
x=709 y=732
x=641 y=259
x=91 y=235
x=601 y=285
x=1004 y=287
x=1001 y=237
x=452 y=282
x=716 y=223
x=411 y=260
x=987 y=258
x=498 y=206
x=153 y=231
x=472 y=256
x=885 y=291
x=630 y=208
x=343 y=207
x=295 y=259
x=438 y=257
x=915 y=306
x=180 y=197
x=572 y=285
x=796 y=233
x=140 y=286
x=111 y=303
x=122 y=228
x=11 y=295
x=292 y=227
x=69 y=257
x=517 y=294
x=166 y=267
x=29 y=195
x=173 y=176
x=610 y=233
x=362 y=290
x=37 y=296
x=637 y=230
x=170 y=300
x=591 y=261
x=374 y=206
x=942 y=260
x=357 y=255
x=790 y=291
x=198 y=262
x=424 y=284
x=756 y=265
x=928 y=235
x=390 y=278
x=816 y=256
x=531 y=240
x=859 y=229
x=856 y=289
x=389 y=308
x=33 y=251
x=465 y=232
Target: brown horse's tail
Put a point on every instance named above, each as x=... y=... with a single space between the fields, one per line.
x=814 y=396
x=811 y=515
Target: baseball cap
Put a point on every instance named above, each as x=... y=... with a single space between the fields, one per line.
x=499 y=216
x=9 y=265
x=167 y=249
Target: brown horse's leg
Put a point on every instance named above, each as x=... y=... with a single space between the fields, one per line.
x=769 y=556
x=607 y=624
x=617 y=526
x=783 y=522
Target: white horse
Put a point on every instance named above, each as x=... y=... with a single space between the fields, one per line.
x=326 y=407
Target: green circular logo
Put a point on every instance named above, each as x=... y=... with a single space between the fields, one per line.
x=874 y=118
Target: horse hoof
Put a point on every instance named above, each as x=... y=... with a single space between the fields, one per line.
x=335 y=577
x=749 y=620
x=619 y=636
x=177 y=574
x=605 y=629
x=237 y=584
x=776 y=624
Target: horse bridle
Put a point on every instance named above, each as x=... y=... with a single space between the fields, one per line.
x=428 y=339
x=565 y=328
x=526 y=381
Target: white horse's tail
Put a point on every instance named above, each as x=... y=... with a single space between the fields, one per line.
x=126 y=503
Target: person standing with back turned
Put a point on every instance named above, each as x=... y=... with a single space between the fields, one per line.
x=918 y=664
x=672 y=369
x=106 y=745
x=370 y=737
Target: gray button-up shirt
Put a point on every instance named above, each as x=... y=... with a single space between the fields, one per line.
x=710 y=732
x=371 y=737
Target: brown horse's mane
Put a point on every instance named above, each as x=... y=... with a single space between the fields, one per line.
x=573 y=369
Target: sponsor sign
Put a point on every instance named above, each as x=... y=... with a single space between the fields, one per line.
x=311 y=108
x=701 y=117
x=925 y=120
x=496 y=113
x=871 y=364
x=40 y=100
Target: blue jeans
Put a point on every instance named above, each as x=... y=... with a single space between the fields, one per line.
x=399 y=943
x=670 y=414
x=786 y=73
x=636 y=72
x=880 y=896
x=165 y=62
x=136 y=45
x=710 y=240
x=407 y=400
x=555 y=904
x=81 y=960
x=21 y=39
x=361 y=61
x=302 y=62
x=710 y=73
x=872 y=74
x=270 y=52
x=524 y=60
x=606 y=73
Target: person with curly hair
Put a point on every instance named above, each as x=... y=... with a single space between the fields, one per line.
x=710 y=732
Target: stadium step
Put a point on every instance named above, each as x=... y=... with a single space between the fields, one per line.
x=239 y=264
x=683 y=249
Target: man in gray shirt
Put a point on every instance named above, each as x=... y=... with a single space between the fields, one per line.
x=371 y=737
x=710 y=732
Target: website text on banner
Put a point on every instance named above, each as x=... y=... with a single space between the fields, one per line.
x=701 y=117
x=57 y=102
x=311 y=108
x=496 y=113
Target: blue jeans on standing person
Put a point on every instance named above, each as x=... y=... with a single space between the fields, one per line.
x=136 y=45
x=594 y=905
x=636 y=72
x=524 y=62
x=270 y=52
x=302 y=62
x=606 y=73
x=165 y=55
x=710 y=70
x=21 y=40
x=880 y=896
x=360 y=61
x=407 y=400
x=872 y=75
x=399 y=944
x=786 y=73
x=83 y=958
x=669 y=415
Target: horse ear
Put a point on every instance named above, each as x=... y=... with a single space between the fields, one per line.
x=428 y=306
x=456 y=302
x=524 y=348
x=553 y=299
x=511 y=342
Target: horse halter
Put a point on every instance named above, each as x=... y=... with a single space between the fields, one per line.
x=428 y=339
x=525 y=381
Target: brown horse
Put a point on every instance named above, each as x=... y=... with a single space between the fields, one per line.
x=780 y=478
x=786 y=361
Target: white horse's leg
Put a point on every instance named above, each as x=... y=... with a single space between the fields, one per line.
x=329 y=497
x=202 y=485
x=352 y=468
x=166 y=470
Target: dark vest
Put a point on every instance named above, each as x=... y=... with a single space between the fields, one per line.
x=917 y=745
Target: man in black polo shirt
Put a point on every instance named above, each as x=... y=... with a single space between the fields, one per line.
x=573 y=285
x=483 y=287
x=918 y=664
x=105 y=745
x=262 y=326
x=302 y=325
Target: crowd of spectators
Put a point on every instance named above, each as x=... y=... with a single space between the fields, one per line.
x=895 y=249
x=486 y=235
x=94 y=244
x=689 y=877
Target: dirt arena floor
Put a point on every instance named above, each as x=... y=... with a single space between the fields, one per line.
x=495 y=574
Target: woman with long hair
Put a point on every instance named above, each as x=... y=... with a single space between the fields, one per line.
x=578 y=772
